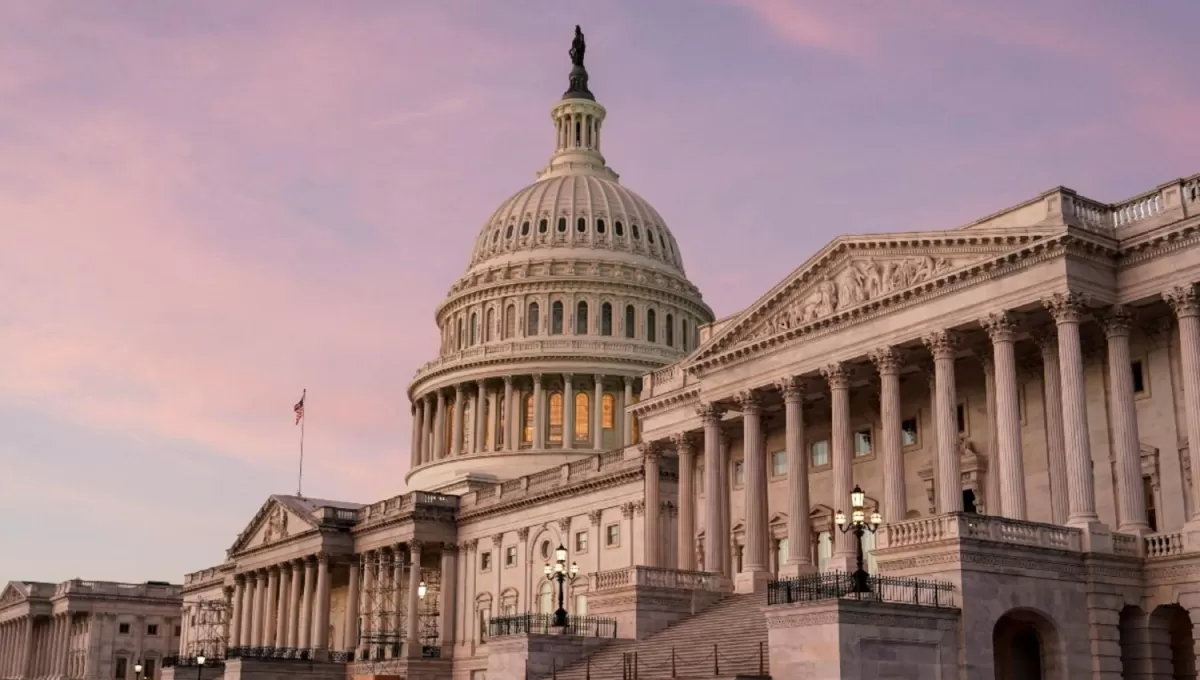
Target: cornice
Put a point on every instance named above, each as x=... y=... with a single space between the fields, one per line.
x=1159 y=243
x=669 y=400
x=616 y=478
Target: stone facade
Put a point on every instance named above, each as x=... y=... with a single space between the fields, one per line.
x=92 y=630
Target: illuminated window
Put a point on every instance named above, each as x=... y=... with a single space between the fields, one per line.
x=468 y=428
x=527 y=431
x=607 y=407
x=503 y=412
x=556 y=417
x=582 y=417
x=510 y=321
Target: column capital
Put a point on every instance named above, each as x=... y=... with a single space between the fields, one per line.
x=449 y=548
x=942 y=344
x=498 y=538
x=627 y=509
x=1184 y=300
x=481 y=385
x=567 y=378
x=888 y=360
x=458 y=390
x=837 y=375
x=523 y=534
x=791 y=387
x=1117 y=321
x=1068 y=307
x=536 y=377
x=684 y=442
x=650 y=450
x=1000 y=326
x=1046 y=338
x=508 y=381
x=749 y=401
x=471 y=545
x=709 y=412
x=415 y=547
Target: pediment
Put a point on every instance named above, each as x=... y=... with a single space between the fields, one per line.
x=858 y=272
x=273 y=522
x=12 y=594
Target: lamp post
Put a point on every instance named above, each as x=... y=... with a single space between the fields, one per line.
x=561 y=573
x=137 y=669
x=859 y=524
x=200 y=666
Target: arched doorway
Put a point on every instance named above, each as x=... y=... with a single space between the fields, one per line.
x=1134 y=636
x=1178 y=626
x=1025 y=647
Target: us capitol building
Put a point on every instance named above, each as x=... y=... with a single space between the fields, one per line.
x=999 y=414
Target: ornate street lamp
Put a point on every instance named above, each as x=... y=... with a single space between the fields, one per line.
x=137 y=669
x=858 y=524
x=200 y=666
x=562 y=574
x=421 y=590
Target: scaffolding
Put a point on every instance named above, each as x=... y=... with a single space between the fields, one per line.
x=383 y=615
x=210 y=629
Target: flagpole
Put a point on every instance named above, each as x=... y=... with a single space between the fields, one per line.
x=303 y=417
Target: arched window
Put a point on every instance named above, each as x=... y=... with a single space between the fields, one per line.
x=606 y=319
x=650 y=235
x=543 y=225
x=683 y=335
x=630 y=322
x=556 y=318
x=581 y=318
x=531 y=323
x=619 y=228
x=546 y=598
x=581 y=225
x=556 y=417
x=608 y=412
x=508 y=232
x=637 y=233
x=510 y=321
x=599 y=226
x=525 y=228
x=580 y=605
x=651 y=326
x=670 y=330
x=474 y=328
x=562 y=224
x=489 y=319
x=527 y=428
x=583 y=417
x=458 y=335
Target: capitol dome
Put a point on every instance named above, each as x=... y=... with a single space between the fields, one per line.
x=575 y=287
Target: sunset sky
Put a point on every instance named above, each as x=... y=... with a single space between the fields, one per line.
x=206 y=207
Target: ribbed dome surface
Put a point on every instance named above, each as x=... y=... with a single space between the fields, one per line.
x=586 y=211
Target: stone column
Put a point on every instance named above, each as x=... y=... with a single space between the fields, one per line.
x=494 y=417
x=415 y=449
x=711 y=414
x=1067 y=308
x=439 y=427
x=283 y=609
x=943 y=345
x=1056 y=451
x=306 y=608
x=248 y=600
x=1185 y=302
x=1001 y=328
x=480 y=415
x=365 y=595
x=991 y=504
x=397 y=588
x=754 y=562
x=295 y=605
x=799 y=559
x=511 y=407
x=412 y=635
x=887 y=361
x=271 y=611
x=456 y=434
x=725 y=532
x=350 y=636
x=235 y=619
x=449 y=595
x=321 y=623
x=427 y=430
x=539 y=416
x=842 y=442
x=652 y=543
x=685 y=543
x=1132 y=506
x=27 y=652
x=568 y=426
x=627 y=417
x=598 y=414
x=257 y=605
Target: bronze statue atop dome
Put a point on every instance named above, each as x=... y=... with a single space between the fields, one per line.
x=579 y=77
x=578 y=47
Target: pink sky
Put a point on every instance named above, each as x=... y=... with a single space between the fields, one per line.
x=207 y=207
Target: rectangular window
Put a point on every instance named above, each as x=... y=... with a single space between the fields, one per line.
x=178 y=631
x=739 y=472
x=1139 y=378
x=819 y=452
x=509 y=610
x=909 y=435
x=527 y=432
x=556 y=417
x=119 y=669
x=612 y=535
x=485 y=561
x=960 y=416
x=148 y=669
x=123 y=628
x=510 y=556
x=608 y=421
x=152 y=629
x=862 y=443
x=779 y=464
x=581 y=541
x=583 y=417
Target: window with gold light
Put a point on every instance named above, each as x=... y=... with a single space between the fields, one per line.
x=582 y=417
x=527 y=430
x=556 y=417
x=608 y=407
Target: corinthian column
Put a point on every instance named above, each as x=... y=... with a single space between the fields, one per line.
x=427 y=430
x=754 y=560
x=1117 y=322
x=350 y=634
x=456 y=426
x=839 y=396
x=270 y=612
x=235 y=619
x=685 y=541
x=1001 y=328
x=511 y=408
x=412 y=638
x=710 y=414
x=568 y=424
x=626 y=416
x=439 y=427
x=653 y=542
x=417 y=417
x=295 y=605
x=282 y=612
x=321 y=624
x=480 y=414
x=539 y=414
x=799 y=559
x=1056 y=452
x=1067 y=308
x=306 y=607
x=887 y=361
x=943 y=345
x=250 y=611
x=1185 y=302
x=598 y=414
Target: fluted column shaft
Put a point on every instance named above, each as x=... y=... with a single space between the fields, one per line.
x=725 y=530
x=350 y=636
x=249 y=602
x=799 y=558
x=598 y=414
x=754 y=559
x=479 y=412
x=842 y=439
x=415 y=448
x=652 y=546
x=27 y=651
x=270 y=610
x=944 y=347
x=439 y=427
x=1002 y=329
x=1056 y=447
x=306 y=607
x=992 y=503
x=627 y=417
x=511 y=407
x=1081 y=492
x=321 y=632
x=448 y=594
x=456 y=425
x=367 y=592
x=283 y=608
x=685 y=540
x=568 y=426
x=1132 y=507
x=711 y=417
x=1185 y=302
x=539 y=414
x=295 y=607
x=412 y=637
x=427 y=430
x=397 y=587
x=887 y=361
x=235 y=619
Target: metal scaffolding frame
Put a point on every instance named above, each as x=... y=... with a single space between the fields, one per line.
x=209 y=629
x=383 y=618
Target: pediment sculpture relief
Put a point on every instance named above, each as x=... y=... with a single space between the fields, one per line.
x=277 y=525
x=10 y=597
x=862 y=280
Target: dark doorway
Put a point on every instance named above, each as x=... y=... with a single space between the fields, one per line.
x=969 y=501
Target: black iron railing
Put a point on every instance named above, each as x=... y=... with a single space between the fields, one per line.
x=341 y=657
x=281 y=653
x=174 y=661
x=836 y=585
x=543 y=624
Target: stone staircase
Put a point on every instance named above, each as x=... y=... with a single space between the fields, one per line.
x=734 y=629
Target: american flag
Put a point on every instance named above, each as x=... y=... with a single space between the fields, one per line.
x=299 y=407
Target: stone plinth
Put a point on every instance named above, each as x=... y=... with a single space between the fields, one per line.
x=645 y=600
x=281 y=669
x=853 y=640
x=517 y=657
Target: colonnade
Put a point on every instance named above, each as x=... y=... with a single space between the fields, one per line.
x=284 y=606
x=547 y=416
x=1068 y=443
x=33 y=647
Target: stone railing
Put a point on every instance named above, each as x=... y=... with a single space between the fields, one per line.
x=404 y=503
x=630 y=349
x=1164 y=545
x=1106 y=218
x=568 y=473
x=1126 y=544
x=962 y=525
x=111 y=589
x=204 y=575
x=652 y=577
